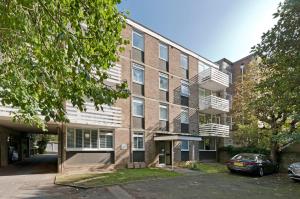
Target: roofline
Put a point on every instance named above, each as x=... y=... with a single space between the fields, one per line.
x=163 y=39
x=252 y=54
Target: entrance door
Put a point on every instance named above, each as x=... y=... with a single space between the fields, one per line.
x=164 y=153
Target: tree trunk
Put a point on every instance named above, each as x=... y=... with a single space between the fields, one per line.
x=274 y=151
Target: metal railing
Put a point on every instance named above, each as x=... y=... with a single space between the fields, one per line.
x=213 y=129
x=215 y=75
x=214 y=102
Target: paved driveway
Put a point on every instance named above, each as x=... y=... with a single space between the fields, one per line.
x=30 y=178
x=194 y=185
x=204 y=186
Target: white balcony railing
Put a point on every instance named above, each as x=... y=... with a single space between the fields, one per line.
x=213 y=129
x=213 y=105
x=109 y=117
x=213 y=79
x=7 y=111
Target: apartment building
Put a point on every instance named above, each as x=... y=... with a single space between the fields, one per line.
x=177 y=110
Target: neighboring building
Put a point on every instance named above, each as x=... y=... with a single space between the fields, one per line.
x=235 y=70
x=177 y=110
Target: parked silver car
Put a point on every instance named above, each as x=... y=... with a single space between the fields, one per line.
x=294 y=171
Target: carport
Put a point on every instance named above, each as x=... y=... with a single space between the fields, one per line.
x=16 y=136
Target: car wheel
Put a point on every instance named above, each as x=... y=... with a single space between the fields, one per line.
x=261 y=172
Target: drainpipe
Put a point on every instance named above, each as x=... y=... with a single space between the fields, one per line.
x=130 y=112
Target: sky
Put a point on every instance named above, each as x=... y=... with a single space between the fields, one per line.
x=215 y=29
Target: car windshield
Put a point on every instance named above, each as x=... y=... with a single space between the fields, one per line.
x=249 y=157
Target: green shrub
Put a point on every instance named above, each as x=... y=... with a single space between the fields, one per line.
x=231 y=150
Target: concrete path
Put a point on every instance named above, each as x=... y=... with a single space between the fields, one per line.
x=31 y=178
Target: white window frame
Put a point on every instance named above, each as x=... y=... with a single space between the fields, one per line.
x=186 y=57
x=139 y=135
x=187 y=111
x=140 y=35
x=139 y=101
x=138 y=67
x=106 y=134
x=204 y=144
x=163 y=75
x=184 y=83
x=166 y=47
x=99 y=131
x=164 y=107
x=188 y=145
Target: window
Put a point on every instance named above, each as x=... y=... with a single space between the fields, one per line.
x=106 y=140
x=163 y=52
x=184 y=62
x=138 y=107
x=138 y=74
x=207 y=144
x=138 y=40
x=78 y=138
x=184 y=116
x=89 y=139
x=184 y=145
x=94 y=138
x=163 y=82
x=163 y=112
x=86 y=139
x=138 y=141
x=70 y=138
x=185 y=90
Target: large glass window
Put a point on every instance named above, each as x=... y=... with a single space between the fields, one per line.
x=163 y=52
x=185 y=90
x=86 y=139
x=138 y=74
x=138 y=141
x=89 y=139
x=138 y=40
x=163 y=82
x=184 y=61
x=184 y=116
x=78 y=138
x=184 y=145
x=138 y=107
x=106 y=140
x=70 y=138
x=207 y=144
x=94 y=139
x=163 y=112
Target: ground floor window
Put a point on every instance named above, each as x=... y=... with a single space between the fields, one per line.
x=138 y=141
x=184 y=145
x=207 y=144
x=89 y=139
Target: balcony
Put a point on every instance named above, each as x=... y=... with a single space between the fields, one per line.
x=213 y=105
x=109 y=117
x=213 y=79
x=7 y=111
x=213 y=129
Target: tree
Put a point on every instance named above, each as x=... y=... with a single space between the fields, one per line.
x=247 y=130
x=277 y=101
x=58 y=51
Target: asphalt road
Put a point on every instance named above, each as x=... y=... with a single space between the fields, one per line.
x=34 y=179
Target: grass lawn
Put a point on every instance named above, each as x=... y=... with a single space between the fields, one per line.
x=205 y=167
x=117 y=177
